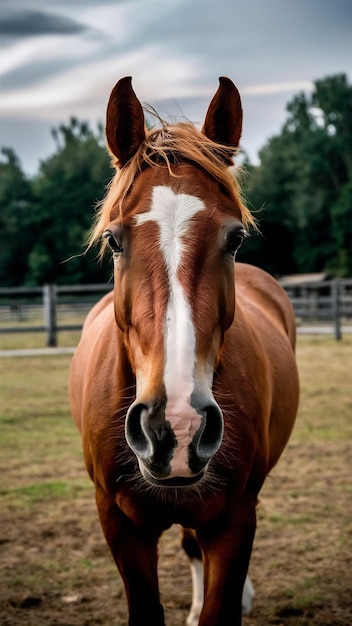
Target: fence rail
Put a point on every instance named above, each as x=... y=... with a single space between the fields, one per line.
x=42 y=309
x=323 y=301
x=49 y=303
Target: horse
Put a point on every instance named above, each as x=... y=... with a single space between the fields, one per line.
x=184 y=384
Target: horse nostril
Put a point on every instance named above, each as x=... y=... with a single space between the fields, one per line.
x=150 y=437
x=211 y=436
x=135 y=435
x=207 y=439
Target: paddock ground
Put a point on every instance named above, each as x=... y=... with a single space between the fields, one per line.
x=55 y=566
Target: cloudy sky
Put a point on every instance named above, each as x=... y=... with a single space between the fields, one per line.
x=61 y=58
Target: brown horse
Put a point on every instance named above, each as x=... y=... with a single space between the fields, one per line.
x=183 y=406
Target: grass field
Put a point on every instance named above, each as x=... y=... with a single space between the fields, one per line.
x=55 y=566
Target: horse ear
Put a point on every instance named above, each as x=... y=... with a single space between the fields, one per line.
x=125 y=129
x=223 y=122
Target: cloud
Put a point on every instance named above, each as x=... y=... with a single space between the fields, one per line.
x=30 y=61
x=274 y=88
x=63 y=60
x=34 y=23
x=70 y=90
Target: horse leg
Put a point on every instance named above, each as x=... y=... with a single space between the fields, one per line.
x=226 y=546
x=193 y=551
x=135 y=554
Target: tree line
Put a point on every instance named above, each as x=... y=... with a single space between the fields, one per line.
x=300 y=193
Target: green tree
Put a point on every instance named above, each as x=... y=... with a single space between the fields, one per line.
x=269 y=188
x=341 y=216
x=66 y=190
x=16 y=202
x=303 y=183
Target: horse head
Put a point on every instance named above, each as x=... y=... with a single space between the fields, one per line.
x=174 y=221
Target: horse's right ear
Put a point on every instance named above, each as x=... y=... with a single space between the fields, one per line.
x=125 y=130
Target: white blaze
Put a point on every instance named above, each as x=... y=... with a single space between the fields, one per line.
x=172 y=213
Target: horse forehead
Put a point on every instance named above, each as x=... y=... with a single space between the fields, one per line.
x=170 y=210
x=172 y=213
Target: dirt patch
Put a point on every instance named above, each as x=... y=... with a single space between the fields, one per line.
x=56 y=568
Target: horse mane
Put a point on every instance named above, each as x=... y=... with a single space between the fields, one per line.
x=169 y=146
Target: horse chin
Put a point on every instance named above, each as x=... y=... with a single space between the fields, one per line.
x=174 y=482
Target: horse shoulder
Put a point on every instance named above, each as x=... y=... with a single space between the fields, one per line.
x=95 y=311
x=260 y=345
x=92 y=359
x=263 y=292
x=101 y=386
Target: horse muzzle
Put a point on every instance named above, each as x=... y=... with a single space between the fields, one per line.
x=173 y=442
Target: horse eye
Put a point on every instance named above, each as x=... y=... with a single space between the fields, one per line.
x=112 y=242
x=235 y=240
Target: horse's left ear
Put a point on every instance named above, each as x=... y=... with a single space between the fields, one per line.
x=223 y=122
x=125 y=130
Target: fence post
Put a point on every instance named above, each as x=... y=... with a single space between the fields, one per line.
x=49 y=301
x=335 y=286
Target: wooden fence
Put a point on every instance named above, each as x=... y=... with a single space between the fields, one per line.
x=47 y=303
x=322 y=301
x=314 y=303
